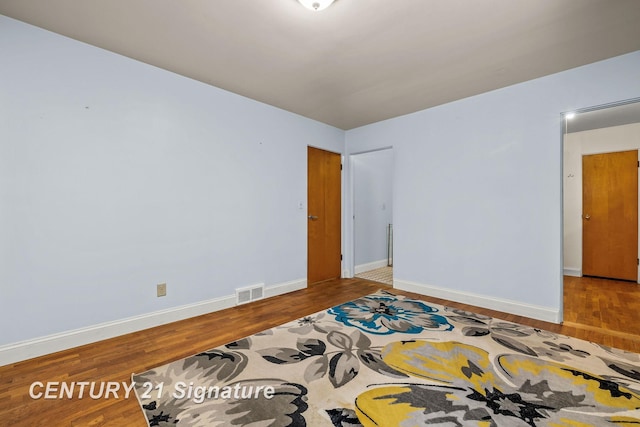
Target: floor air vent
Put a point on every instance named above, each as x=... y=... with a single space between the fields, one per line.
x=250 y=293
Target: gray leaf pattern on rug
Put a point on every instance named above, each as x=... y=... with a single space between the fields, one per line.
x=340 y=366
x=507 y=334
x=223 y=365
x=343 y=417
x=351 y=365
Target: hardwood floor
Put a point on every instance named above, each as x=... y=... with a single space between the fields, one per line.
x=610 y=306
x=116 y=359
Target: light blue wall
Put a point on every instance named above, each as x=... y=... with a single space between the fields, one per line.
x=477 y=183
x=116 y=176
x=373 y=204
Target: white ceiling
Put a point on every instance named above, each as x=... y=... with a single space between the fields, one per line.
x=357 y=62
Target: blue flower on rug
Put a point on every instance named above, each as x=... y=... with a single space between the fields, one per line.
x=384 y=315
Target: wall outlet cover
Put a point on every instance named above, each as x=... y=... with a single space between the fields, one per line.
x=162 y=289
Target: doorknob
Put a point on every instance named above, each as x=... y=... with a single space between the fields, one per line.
x=313 y=217
x=587 y=217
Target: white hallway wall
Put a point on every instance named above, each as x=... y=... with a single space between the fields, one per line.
x=605 y=140
x=478 y=188
x=116 y=176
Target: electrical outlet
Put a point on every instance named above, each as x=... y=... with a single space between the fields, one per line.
x=162 y=289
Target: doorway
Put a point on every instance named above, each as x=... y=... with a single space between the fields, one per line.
x=597 y=130
x=372 y=178
x=324 y=211
x=613 y=128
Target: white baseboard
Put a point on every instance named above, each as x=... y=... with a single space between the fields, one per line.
x=370 y=266
x=575 y=272
x=508 y=306
x=16 y=352
x=283 y=288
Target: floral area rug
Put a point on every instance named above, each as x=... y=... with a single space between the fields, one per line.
x=388 y=360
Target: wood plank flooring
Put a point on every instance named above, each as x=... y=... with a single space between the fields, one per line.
x=116 y=359
x=603 y=305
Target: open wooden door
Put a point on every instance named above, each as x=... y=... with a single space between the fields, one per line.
x=610 y=215
x=324 y=240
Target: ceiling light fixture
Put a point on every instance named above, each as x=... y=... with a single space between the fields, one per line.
x=316 y=5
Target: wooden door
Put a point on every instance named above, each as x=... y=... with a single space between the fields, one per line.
x=324 y=215
x=610 y=215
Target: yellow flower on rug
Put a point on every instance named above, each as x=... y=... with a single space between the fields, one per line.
x=387 y=360
x=465 y=387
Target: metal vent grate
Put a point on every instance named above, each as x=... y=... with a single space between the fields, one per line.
x=249 y=293
x=243 y=296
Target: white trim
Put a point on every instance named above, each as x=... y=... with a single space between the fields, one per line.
x=370 y=266
x=508 y=306
x=16 y=352
x=575 y=272
x=283 y=288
